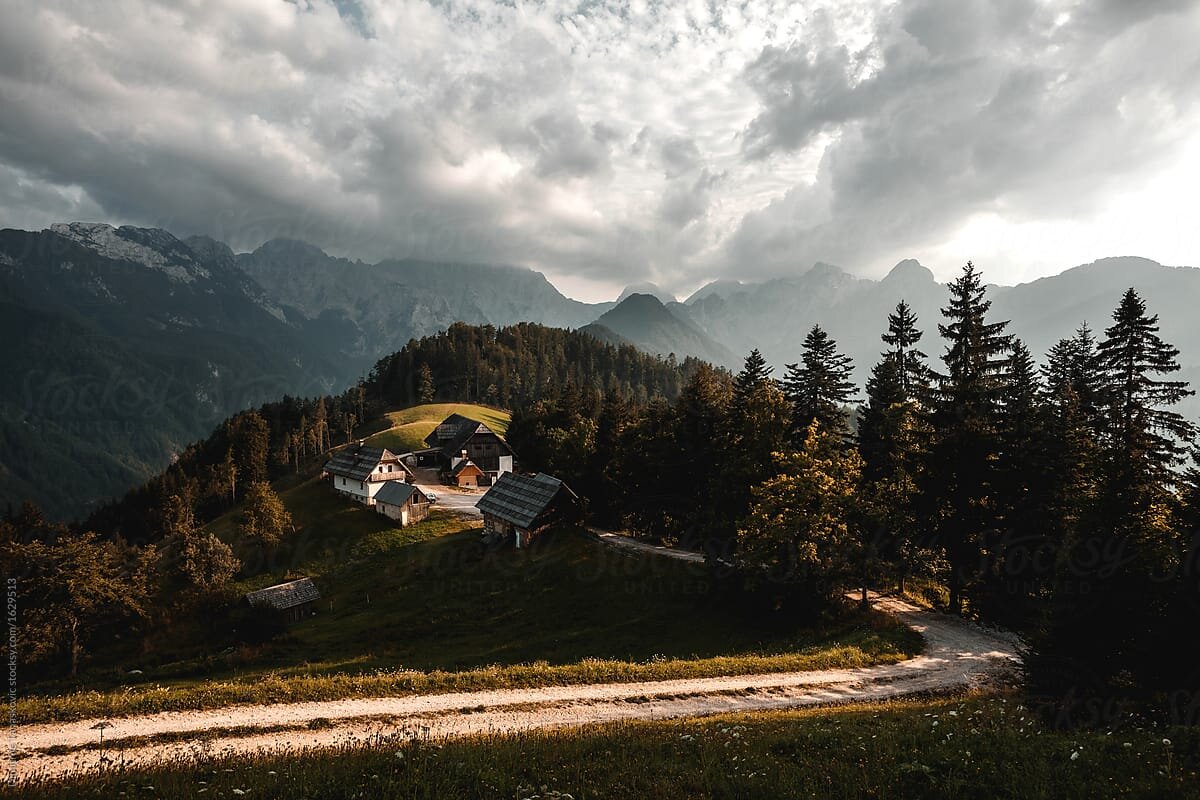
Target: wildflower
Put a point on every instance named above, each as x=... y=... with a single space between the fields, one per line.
x=1167 y=742
x=239 y=791
x=1075 y=756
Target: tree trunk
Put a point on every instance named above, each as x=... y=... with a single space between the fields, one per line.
x=74 y=648
x=955 y=596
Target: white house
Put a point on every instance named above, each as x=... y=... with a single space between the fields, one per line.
x=360 y=472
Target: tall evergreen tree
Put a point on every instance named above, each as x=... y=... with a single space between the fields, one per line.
x=1112 y=630
x=755 y=372
x=967 y=405
x=903 y=336
x=1013 y=578
x=819 y=386
x=1147 y=437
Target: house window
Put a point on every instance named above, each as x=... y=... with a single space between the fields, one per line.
x=343 y=481
x=389 y=467
x=362 y=485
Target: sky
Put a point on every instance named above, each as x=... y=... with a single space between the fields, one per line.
x=612 y=143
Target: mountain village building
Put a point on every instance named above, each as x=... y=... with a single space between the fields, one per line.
x=520 y=507
x=295 y=600
x=460 y=439
x=360 y=472
x=402 y=502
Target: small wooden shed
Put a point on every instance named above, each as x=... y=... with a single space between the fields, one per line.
x=466 y=474
x=295 y=599
x=402 y=502
x=519 y=507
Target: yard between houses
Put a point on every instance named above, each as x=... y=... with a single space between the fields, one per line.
x=967 y=747
x=410 y=426
x=428 y=609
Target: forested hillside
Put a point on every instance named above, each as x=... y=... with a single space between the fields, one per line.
x=509 y=367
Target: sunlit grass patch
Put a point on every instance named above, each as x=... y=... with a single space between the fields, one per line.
x=954 y=748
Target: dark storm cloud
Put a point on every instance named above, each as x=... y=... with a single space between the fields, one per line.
x=608 y=144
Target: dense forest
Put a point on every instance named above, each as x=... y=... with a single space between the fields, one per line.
x=1060 y=500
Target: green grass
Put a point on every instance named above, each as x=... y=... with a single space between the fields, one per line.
x=412 y=425
x=962 y=748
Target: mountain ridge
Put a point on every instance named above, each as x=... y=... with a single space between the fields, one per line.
x=129 y=342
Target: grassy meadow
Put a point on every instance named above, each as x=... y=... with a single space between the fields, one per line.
x=410 y=426
x=969 y=747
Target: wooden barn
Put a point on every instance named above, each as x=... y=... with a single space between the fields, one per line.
x=402 y=502
x=295 y=599
x=519 y=507
x=459 y=437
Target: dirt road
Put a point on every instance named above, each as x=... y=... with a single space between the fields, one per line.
x=957 y=655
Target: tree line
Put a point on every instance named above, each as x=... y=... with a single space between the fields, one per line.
x=1061 y=500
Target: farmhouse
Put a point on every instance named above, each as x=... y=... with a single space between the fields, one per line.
x=458 y=438
x=403 y=502
x=295 y=599
x=360 y=472
x=519 y=507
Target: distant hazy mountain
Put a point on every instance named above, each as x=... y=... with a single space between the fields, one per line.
x=775 y=315
x=123 y=345
x=646 y=287
x=388 y=303
x=643 y=320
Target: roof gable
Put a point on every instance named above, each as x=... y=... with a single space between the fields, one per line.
x=521 y=499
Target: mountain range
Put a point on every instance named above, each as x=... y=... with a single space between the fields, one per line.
x=124 y=344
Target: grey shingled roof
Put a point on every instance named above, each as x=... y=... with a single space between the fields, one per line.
x=466 y=428
x=355 y=462
x=395 y=493
x=285 y=595
x=520 y=499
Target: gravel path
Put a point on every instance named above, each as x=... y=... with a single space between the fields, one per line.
x=957 y=655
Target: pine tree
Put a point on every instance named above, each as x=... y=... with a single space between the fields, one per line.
x=1147 y=438
x=903 y=335
x=819 y=386
x=966 y=409
x=754 y=373
x=1013 y=578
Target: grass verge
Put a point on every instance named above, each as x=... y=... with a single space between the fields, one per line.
x=952 y=748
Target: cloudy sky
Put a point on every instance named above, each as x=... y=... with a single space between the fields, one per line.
x=608 y=143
